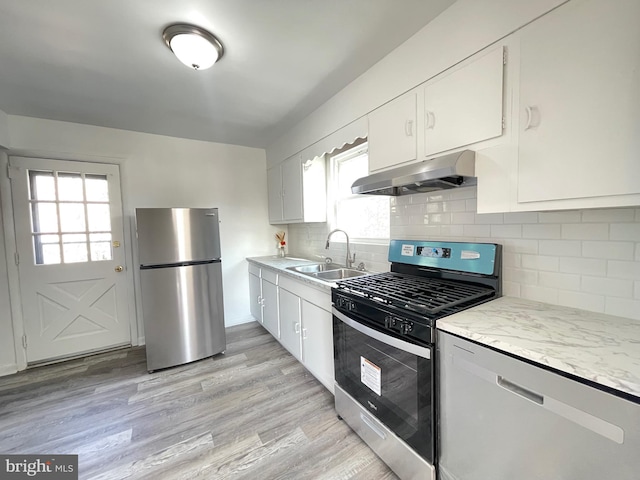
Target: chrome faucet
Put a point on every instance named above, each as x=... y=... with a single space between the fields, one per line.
x=350 y=260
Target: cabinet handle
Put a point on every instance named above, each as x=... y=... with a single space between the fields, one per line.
x=259 y=299
x=431 y=120
x=533 y=117
x=520 y=391
x=296 y=327
x=408 y=128
x=262 y=302
x=304 y=333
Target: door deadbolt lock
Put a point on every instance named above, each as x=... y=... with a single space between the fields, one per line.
x=116 y=244
x=119 y=268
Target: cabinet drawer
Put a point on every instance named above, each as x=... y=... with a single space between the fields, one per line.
x=270 y=276
x=254 y=269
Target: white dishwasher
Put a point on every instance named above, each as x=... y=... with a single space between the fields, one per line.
x=501 y=418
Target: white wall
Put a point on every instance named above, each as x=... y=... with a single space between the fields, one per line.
x=160 y=171
x=463 y=29
x=4 y=130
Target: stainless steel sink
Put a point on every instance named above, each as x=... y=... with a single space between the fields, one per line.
x=328 y=272
x=315 y=268
x=339 y=274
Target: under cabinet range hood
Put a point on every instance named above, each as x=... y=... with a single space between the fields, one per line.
x=449 y=171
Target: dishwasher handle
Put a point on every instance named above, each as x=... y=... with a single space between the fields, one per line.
x=519 y=390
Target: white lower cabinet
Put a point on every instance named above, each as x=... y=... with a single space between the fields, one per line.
x=317 y=342
x=290 y=322
x=299 y=316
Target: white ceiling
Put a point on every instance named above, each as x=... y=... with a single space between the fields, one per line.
x=103 y=62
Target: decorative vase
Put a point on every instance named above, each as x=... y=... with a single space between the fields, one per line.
x=281 y=251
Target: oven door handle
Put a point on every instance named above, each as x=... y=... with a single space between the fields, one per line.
x=387 y=339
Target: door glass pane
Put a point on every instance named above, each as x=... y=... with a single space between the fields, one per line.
x=99 y=217
x=70 y=187
x=74 y=251
x=50 y=254
x=72 y=217
x=97 y=188
x=45 y=218
x=42 y=185
x=100 y=251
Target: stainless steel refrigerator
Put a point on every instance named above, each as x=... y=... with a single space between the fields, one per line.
x=181 y=277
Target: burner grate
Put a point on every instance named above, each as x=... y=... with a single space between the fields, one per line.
x=420 y=294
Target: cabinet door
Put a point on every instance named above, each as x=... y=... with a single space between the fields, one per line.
x=580 y=102
x=292 y=189
x=270 y=311
x=465 y=106
x=274 y=189
x=255 y=297
x=317 y=342
x=392 y=133
x=290 y=322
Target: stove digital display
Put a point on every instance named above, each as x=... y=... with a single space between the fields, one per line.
x=434 y=252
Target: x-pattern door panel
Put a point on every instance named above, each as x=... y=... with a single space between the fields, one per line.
x=69 y=230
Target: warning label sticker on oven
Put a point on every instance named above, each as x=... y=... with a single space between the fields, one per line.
x=407 y=250
x=469 y=255
x=371 y=375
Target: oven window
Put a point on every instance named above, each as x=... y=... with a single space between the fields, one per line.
x=395 y=386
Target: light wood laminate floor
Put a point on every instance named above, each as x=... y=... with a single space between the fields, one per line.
x=252 y=413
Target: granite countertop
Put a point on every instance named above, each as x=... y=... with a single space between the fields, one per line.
x=282 y=263
x=597 y=347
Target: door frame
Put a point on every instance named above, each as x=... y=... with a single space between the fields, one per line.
x=13 y=274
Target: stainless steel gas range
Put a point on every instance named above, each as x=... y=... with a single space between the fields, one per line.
x=384 y=344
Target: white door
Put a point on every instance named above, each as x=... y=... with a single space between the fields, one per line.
x=292 y=189
x=270 y=312
x=290 y=322
x=69 y=232
x=317 y=342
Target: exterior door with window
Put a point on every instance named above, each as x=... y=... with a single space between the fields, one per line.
x=69 y=232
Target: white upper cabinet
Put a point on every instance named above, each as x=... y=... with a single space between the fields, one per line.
x=579 y=134
x=465 y=104
x=393 y=133
x=297 y=191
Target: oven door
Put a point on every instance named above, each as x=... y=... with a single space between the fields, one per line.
x=391 y=378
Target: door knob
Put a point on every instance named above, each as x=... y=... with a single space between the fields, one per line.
x=119 y=268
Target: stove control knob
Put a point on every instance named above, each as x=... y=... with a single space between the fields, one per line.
x=387 y=321
x=406 y=327
x=352 y=307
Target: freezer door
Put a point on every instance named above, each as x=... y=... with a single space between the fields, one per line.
x=177 y=235
x=183 y=314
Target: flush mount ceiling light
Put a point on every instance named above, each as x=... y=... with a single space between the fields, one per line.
x=194 y=46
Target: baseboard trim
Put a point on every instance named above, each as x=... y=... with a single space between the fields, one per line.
x=8 y=369
x=238 y=321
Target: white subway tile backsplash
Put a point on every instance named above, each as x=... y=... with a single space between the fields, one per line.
x=625 y=231
x=541 y=231
x=489 y=218
x=608 y=215
x=519 y=246
x=434 y=207
x=506 y=231
x=570 y=216
x=539 y=294
x=620 y=269
x=623 y=307
x=513 y=260
x=583 y=266
x=454 y=206
x=510 y=289
x=521 y=217
x=587 y=259
x=463 y=218
x=522 y=276
x=609 y=287
x=560 y=248
x=585 y=231
x=477 y=230
x=585 y=301
x=562 y=281
x=541 y=262
x=608 y=250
